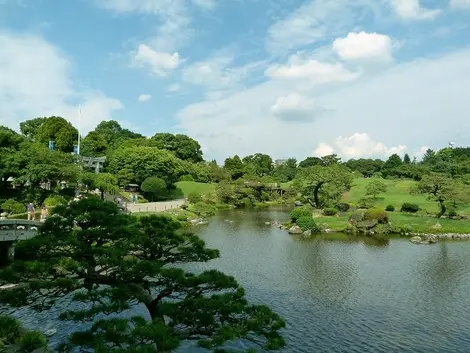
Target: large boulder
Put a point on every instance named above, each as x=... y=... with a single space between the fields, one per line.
x=307 y=233
x=295 y=230
x=416 y=240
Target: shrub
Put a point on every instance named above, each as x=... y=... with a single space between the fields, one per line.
x=343 y=207
x=376 y=213
x=32 y=340
x=409 y=207
x=55 y=200
x=298 y=212
x=357 y=216
x=155 y=188
x=307 y=223
x=390 y=208
x=181 y=218
x=330 y=211
x=10 y=329
x=186 y=177
x=13 y=206
x=203 y=209
x=452 y=213
x=377 y=175
x=366 y=203
x=194 y=197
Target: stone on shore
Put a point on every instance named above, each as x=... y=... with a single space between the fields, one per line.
x=416 y=240
x=295 y=230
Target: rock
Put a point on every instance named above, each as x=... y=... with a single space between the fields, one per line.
x=267 y=223
x=284 y=228
x=416 y=240
x=307 y=233
x=432 y=239
x=195 y=221
x=437 y=226
x=295 y=230
x=202 y=223
x=298 y=203
x=50 y=332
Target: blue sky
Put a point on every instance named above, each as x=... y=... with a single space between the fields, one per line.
x=363 y=78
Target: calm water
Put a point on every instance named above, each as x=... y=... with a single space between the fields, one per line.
x=354 y=295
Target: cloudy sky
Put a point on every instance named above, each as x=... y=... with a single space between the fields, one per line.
x=360 y=78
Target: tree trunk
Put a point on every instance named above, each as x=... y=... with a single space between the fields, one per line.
x=102 y=194
x=443 y=209
x=315 y=194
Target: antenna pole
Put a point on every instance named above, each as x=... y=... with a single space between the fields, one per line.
x=79 y=120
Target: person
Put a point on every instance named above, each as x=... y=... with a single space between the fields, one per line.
x=134 y=198
x=43 y=212
x=31 y=212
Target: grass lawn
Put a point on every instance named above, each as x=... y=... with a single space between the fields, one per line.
x=189 y=187
x=397 y=194
x=405 y=221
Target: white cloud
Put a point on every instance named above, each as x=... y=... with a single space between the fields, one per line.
x=322 y=150
x=315 y=21
x=393 y=106
x=419 y=153
x=364 y=46
x=160 y=63
x=412 y=10
x=460 y=4
x=144 y=97
x=359 y=145
x=301 y=67
x=218 y=74
x=35 y=80
x=206 y=4
x=174 y=87
x=295 y=107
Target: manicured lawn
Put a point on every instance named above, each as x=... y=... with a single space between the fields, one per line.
x=189 y=187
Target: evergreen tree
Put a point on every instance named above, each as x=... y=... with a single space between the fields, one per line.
x=89 y=253
x=407 y=159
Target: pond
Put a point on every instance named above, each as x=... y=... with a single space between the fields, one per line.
x=340 y=294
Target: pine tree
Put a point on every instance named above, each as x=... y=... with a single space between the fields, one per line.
x=89 y=253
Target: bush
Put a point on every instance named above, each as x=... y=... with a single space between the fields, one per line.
x=376 y=213
x=10 y=329
x=390 y=208
x=55 y=200
x=307 y=223
x=13 y=206
x=186 y=177
x=32 y=340
x=155 y=188
x=330 y=211
x=409 y=207
x=298 y=212
x=68 y=193
x=343 y=207
x=203 y=209
x=194 y=197
x=366 y=203
x=452 y=213
x=357 y=216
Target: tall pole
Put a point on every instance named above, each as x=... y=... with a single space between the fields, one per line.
x=79 y=119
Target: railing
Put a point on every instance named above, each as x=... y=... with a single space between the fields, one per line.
x=18 y=229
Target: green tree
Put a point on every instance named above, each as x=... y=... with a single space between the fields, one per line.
x=107 y=136
x=367 y=167
x=56 y=128
x=376 y=187
x=407 y=159
x=144 y=162
x=10 y=144
x=235 y=167
x=14 y=338
x=154 y=188
x=262 y=163
x=184 y=147
x=310 y=162
x=286 y=171
x=105 y=183
x=30 y=128
x=329 y=182
x=442 y=189
x=109 y=262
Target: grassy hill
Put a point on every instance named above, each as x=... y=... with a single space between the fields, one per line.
x=189 y=187
x=398 y=192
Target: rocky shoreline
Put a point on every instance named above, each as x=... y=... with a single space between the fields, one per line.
x=417 y=238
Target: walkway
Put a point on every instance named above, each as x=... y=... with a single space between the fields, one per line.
x=154 y=206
